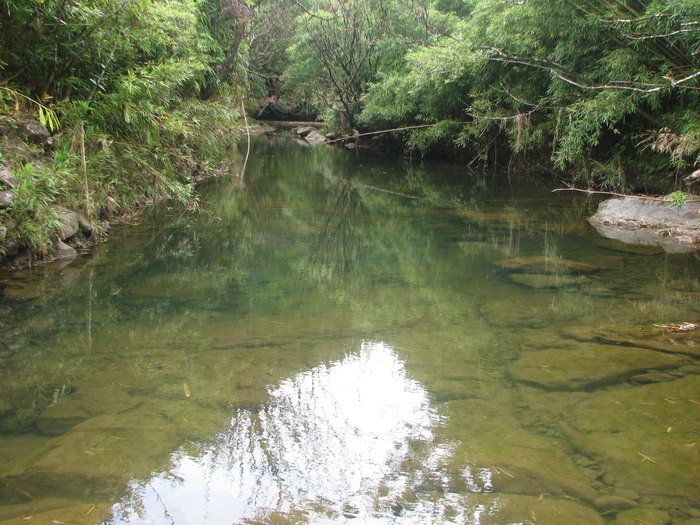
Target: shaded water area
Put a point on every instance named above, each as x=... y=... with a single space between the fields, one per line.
x=353 y=339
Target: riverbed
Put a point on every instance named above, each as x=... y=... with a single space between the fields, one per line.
x=344 y=337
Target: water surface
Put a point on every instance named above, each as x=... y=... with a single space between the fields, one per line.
x=351 y=338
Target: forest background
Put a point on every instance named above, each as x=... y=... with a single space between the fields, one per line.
x=137 y=99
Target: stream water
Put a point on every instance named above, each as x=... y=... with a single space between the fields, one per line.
x=352 y=338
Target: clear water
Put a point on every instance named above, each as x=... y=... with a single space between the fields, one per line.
x=339 y=340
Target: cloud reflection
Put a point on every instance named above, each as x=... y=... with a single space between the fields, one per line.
x=330 y=443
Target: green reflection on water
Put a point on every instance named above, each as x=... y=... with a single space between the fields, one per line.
x=547 y=392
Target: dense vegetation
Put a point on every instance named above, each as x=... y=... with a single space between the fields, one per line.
x=142 y=95
x=607 y=92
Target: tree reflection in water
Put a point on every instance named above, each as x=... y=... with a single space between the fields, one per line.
x=329 y=443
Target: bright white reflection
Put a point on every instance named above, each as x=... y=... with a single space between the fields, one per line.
x=334 y=442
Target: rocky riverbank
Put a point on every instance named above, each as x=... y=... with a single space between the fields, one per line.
x=651 y=222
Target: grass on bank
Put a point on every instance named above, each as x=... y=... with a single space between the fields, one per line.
x=103 y=163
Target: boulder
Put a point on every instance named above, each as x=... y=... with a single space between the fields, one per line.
x=85 y=225
x=302 y=131
x=315 y=137
x=6 y=198
x=36 y=133
x=63 y=251
x=650 y=222
x=6 y=179
x=69 y=223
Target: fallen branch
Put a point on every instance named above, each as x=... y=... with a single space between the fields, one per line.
x=381 y=131
x=614 y=194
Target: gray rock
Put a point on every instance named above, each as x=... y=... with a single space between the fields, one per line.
x=635 y=220
x=6 y=198
x=302 y=131
x=63 y=251
x=3 y=233
x=11 y=248
x=6 y=179
x=35 y=132
x=315 y=137
x=69 y=224
x=85 y=225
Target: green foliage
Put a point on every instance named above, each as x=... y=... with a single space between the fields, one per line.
x=125 y=79
x=34 y=218
x=591 y=86
x=677 y=198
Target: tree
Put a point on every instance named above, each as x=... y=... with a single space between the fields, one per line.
x=340 y=42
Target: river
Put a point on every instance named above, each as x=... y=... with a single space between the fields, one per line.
x=352 y=338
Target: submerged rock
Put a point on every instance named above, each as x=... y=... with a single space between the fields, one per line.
x=642 y=515
x=645 y=436
x=493 y=444
x=539 y=282
x=609 y=502
x=650 y=222
x=587 y=366
x=540 y=264
x=648 y=337
x=52 y=510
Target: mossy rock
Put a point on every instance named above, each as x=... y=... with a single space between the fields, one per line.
x=50 y=511
x=642 y=336
x=491 y=440
x=642 y=515
x=588 y=366
x=541 y=264
x=546 y=281
x=645 y=436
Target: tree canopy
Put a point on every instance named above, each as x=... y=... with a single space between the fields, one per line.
x=608 y=91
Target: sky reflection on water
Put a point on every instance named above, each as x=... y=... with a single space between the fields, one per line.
x=330 y=442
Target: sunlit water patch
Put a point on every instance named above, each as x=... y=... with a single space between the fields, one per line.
x=330 y=442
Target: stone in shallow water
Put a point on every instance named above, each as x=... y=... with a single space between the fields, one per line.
x=642 y=515
x=497 y=509
x=49 y=511
x=491 y=440
x=541 y=264
x=588 y=366
x=609 y=502
x=540 y=281
x=652 y=377
x=644 y=336
x=645 y=436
